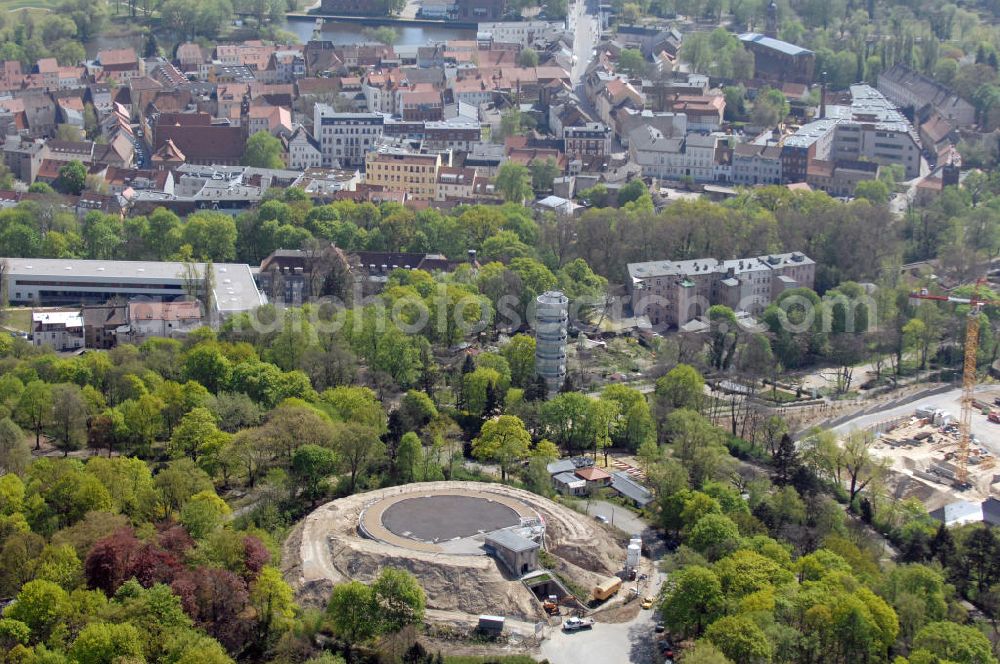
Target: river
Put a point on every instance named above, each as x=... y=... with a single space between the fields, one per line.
x=350 y=33
x=338 y=33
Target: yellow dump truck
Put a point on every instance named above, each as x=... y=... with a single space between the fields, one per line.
x=607 y=588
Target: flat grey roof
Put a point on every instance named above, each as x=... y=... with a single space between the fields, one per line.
x=561 y=466
x=510 y=540
x=629 y=488
x=235 y=289
x=774 y=44
x=569 y=479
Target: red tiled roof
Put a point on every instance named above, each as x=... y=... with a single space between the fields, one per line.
x=592 y=474
x=179 y=310
x=199 y=143
x=117 y=56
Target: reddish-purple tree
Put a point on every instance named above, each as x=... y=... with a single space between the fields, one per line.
x=151 y=565
x=217 y=600
x=255 y=556
x=108 y=563
x=174 y=539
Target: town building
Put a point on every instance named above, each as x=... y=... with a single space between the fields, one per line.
x=630 y=490
x=522 y=33
x=325 y=182
x=812 y=141
x=400 y=169
x=102 y=323
x=673 y=293
x=909 y=89
x=120 y=64
x=303 y=150
x=755 y=163
x=61 y=330
x=840 y=177
x=596 y=478
x=455 y=183
x=869 y=127
x=592 y=139
x=689 y=157
x=294 y=276
x=703 y=112
x=570 y=484
x=162 y=319
x=480 y=10
x=345 y=138
x=200 y=141
x=776 y=60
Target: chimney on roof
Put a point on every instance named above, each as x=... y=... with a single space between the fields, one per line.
x=822 y=98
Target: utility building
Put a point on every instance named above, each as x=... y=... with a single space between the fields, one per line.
x=518 y=554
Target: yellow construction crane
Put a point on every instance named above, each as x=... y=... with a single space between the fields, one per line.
x=976 y=304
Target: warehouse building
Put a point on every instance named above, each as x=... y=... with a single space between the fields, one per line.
x=55 y=282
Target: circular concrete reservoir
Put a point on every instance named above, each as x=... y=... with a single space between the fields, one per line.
x=438 y=518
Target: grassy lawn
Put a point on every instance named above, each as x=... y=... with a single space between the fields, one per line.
x=778 y=396
x=37 y=5
x=18 y=319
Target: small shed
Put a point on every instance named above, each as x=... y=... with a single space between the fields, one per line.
x=630 y=490
x=518 y=554
x=991 y=511
x=959 y=513
x=569 y=484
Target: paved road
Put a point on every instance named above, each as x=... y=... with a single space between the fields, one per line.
x=608 y=643
x=987 y=433
x=618 y=516
x=585 y=32
x=654 y=546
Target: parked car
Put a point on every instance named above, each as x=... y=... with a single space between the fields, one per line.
x=647 y=602
x=601 y=518
x=575 y=624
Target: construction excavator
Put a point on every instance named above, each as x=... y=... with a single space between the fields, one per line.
x=976 y=304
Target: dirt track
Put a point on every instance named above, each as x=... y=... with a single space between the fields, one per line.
x=326 y=548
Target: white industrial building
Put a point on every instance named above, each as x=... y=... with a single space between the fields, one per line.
x=55 y=282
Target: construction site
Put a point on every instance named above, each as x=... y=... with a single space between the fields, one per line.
x=931 y=448
x=475 y=548
x=925 y=448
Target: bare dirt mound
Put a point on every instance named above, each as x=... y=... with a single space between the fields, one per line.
x=327 y=548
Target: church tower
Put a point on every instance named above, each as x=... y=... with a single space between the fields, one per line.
x=771 y=26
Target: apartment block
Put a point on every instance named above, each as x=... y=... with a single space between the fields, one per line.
x=869 y=127
x=592 y=139
x=673 y=293
x=673 y=158
x=345 y=138
x=398 y=169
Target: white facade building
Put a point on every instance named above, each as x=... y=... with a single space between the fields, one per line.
x=345 y=138
x=658 y=156
x=61 y=330
x=303 y=150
